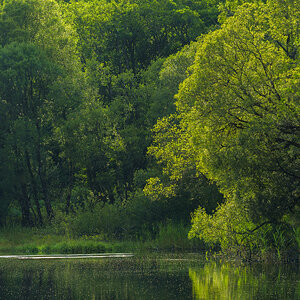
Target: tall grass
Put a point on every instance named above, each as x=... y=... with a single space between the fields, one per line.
x=168 y=237
x=172 y=237
x=175 y=236
x=18 y=240
x=110 y=230
x=278 y=241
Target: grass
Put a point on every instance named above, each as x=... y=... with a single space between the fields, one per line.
x=170 y=237
x=65 y=246
x=18 y=240
x=173 y=237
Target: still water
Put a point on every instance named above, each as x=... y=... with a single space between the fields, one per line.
x=160 y=277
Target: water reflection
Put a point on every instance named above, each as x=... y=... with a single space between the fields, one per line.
x=255 y=281
x=164 y=277
x=94 y=279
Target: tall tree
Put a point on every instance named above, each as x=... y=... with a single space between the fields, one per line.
x=237 y=118
x=120 y=36
x=37 y=72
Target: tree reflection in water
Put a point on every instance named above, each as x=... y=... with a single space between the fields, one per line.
x=163 y=277
x=255 y=281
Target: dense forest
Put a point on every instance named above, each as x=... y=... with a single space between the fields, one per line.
x=119 y=116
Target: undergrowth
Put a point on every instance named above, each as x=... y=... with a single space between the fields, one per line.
x=169 y=237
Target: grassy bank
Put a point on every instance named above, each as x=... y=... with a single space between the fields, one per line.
x=170 y=237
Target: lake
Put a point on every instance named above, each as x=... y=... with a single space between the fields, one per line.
x=163 y=277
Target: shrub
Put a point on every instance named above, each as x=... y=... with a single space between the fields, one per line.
x=231 y=228
x=107 y=220
x=174 y=236
x=27 y=249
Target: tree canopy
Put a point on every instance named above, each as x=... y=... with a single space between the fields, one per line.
x=133 y=110
x=237 y=119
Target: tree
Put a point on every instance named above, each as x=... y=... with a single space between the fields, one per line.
x=91 y=145
x=37 y=72
x=237 y=119
x=117 y=37
x=23 y=76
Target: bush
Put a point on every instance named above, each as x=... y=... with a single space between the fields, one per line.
x=231 y=228
x=75 y=246
x=173 y=236
x=107 y=220
x=27 y=249
x=228 y=226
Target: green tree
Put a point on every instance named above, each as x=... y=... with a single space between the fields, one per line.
x=23 y=90
x=120 y=44
x=121 y=36
x=37 y=74
x=91 y=145
x=237 y=119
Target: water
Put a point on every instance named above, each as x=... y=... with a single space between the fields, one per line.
x=160 y=277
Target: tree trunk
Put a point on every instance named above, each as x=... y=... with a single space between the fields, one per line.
x=70 y=187
x=42 y=176
x=49 y=210
x=34 y=189
x=25 y=207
